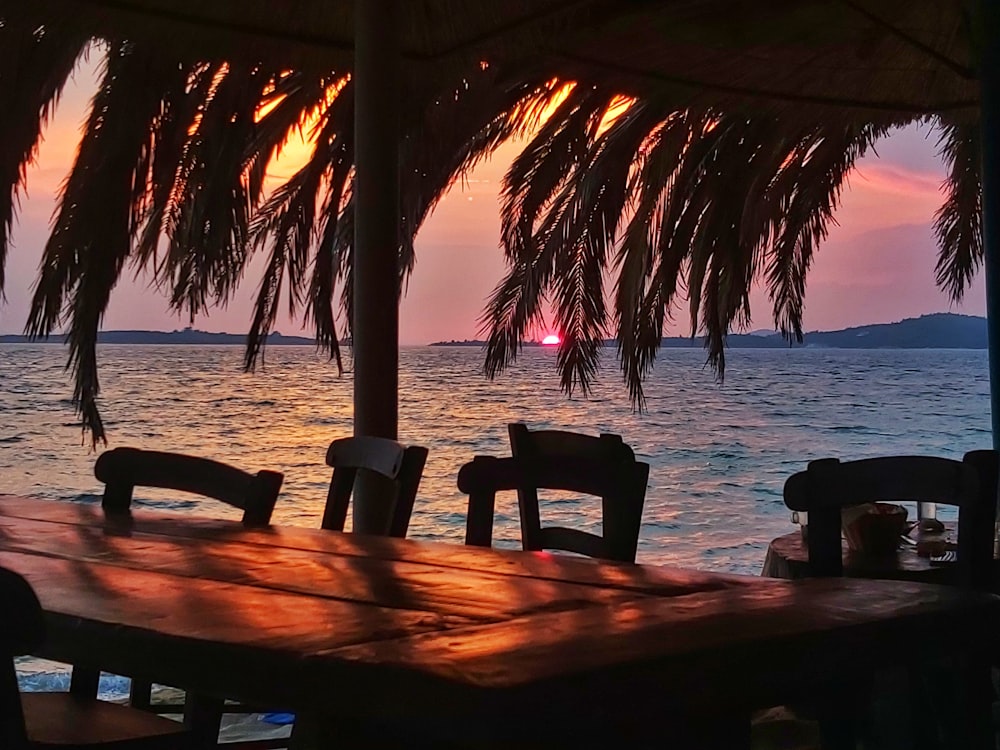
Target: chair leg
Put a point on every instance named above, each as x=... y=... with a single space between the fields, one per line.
x=730 y=731
x=838 y=715
x=203 y=717
x=307 y=732
x=978 y=694
x=140 y=694
x=83 y=682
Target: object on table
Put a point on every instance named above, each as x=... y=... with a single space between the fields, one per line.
x=801 y=519
x=874 y=528
x=944 y=558
x=931 y=525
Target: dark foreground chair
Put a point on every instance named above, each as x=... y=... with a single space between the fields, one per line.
x=37 y=721
x=829 y=485
x=401 y=467
x=124 y=469
x=618 y=481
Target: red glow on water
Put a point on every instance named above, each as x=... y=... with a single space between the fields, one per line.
x=551 y=340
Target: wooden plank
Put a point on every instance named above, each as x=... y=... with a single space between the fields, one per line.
x=682 y=654
x=421 y=587
x=649 y=580
x=682 y=650
x=211 y=610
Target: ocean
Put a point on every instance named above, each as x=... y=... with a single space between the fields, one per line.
x=719 y=453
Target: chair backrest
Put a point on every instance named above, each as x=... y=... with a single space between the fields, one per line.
x=621 y=485
x=828 y=485
x=401 y=466
x=22 y=628
x=542 y=445
x=124 y=469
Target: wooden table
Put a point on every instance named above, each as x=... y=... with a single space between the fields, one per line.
x=454 y=640
x=788 y=557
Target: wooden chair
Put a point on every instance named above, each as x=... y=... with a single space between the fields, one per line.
x=401 y=467
x=542 y=445
x=548 y=443
x=122 y=470
x=36 y=721
x=828 y=485
x=619 y=482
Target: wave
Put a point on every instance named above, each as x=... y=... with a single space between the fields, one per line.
x=111 y=687
x=87 y=498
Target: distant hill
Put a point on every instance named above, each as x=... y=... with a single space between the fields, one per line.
x=937 y=331
x=186 y=336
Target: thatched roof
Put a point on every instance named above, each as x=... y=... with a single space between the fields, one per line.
x=902 y=56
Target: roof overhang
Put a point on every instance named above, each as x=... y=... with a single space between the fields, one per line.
x=907 y=57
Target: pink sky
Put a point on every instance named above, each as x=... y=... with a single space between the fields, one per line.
x=876 y=266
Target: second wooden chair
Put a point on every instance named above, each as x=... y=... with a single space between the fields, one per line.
x=122 y=470
x=604 y=467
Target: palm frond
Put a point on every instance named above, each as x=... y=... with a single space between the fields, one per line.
x=958 y=223
x=35 y=63
x=804 y=199
x=208 y=240
x=287 y=221
x=702 y=202
x=93 y=228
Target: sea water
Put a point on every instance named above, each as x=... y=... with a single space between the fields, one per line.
x=718 y=453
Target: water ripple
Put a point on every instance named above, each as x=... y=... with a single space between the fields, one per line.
x=719 y=455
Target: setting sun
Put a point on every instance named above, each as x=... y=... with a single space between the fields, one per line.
x=551 y=340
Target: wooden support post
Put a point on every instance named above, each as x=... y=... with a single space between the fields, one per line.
x=376 y=240
x=83 y=682
x=989 y=78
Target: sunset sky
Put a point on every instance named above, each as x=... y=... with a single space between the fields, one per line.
x=876 y=266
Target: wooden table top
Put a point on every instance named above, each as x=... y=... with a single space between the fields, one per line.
x=289 y=616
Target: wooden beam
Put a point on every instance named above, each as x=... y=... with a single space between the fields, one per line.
x=989 y=81
x=375 y=329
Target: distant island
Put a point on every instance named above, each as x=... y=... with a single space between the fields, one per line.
x=186 y=336
x=936 y=331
